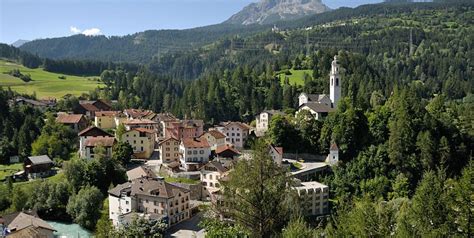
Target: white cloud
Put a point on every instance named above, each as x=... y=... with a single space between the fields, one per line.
x=74 y=30
x=92 y=32
x=87 y=32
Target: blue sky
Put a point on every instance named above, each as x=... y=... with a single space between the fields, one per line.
x=33 y=19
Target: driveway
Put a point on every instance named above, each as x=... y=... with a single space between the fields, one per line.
x=187 y=228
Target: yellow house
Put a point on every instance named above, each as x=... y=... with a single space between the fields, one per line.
x=142 y=141
x=106 y=119
x=169 y=150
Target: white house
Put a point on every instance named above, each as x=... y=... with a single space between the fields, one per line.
x=277 y=154
x=92 y=137
x=211 y=174
x=194 y=152
x=151 y=197
x=236 y=133
x=333 y=156
x=264 y=119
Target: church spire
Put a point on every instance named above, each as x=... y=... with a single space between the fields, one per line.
x=334 y=83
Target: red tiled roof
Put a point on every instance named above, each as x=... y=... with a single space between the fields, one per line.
x=103 y=141
x=216 y=134
x=144 y=130
x=69 y=118
x=167 y=139
x=223 y=148
x=137 y=113
x=238 y=123
x=91 y=128
x=279 y=150
x=139 y=122
x=195 y=142
x=334 y=147
x=89 y=107
x=107 y=113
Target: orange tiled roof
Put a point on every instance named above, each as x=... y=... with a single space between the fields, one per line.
x=69 y=118
x=107 y=113
x=195 y=142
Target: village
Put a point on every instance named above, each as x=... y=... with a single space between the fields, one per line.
x=179 y=164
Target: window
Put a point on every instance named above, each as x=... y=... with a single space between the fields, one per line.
x=201 y=152
x=210 y=176
x=233 y=134
x=195 y=152
x=238 y=134
x=337 y=81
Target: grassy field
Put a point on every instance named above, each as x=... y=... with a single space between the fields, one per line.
x=7 y=170
x=296 y=77
x=45 y=84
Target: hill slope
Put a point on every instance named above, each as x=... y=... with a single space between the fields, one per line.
x=44 y=84
x=270 y=11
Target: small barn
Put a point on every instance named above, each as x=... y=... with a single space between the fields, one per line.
x=38 y=166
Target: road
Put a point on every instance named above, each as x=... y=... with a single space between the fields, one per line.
x=187 y=228
x=308 y=167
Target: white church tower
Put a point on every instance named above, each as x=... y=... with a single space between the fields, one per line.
x=334 y=83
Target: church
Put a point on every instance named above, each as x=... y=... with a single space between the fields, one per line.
x=320 y=105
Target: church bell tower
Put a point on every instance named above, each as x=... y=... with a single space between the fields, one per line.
x=334 y=83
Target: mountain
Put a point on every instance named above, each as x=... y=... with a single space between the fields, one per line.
x=270 y=11
x=19 y=43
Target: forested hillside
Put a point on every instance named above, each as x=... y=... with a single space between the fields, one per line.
x=137 y=48
x=236 y=77
x=143 y=46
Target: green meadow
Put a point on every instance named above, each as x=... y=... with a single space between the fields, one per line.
x=45 y=84
x=296 y=77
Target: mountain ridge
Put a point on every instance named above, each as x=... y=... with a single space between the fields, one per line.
x=271 y=11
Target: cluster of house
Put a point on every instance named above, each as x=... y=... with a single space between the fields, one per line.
x=182 y=146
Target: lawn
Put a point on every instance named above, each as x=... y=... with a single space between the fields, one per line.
x=60 y=176
x=45 y=84
x=181 y=180
x=7 y=170
x=296 y=77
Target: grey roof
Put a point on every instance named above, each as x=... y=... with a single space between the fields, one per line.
x=148 y=187
x=23 y=220
x=42 y=159
x=318 y=107
x=315 y=97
